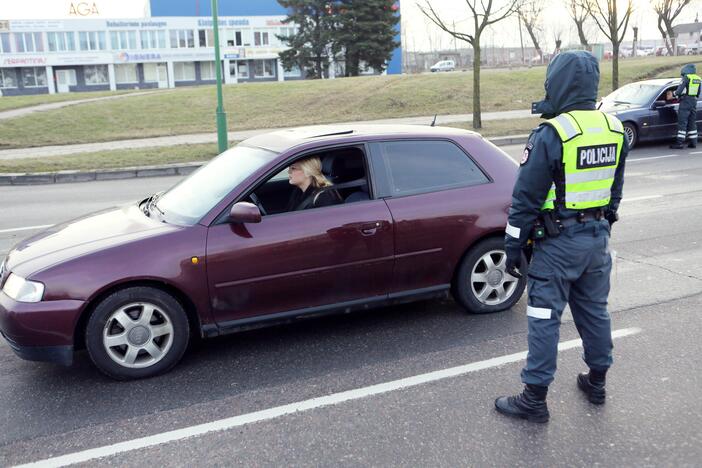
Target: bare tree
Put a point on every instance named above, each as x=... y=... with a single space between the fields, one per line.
x=530 y=14
x=606 y=14
x=557 y=39
x=484 y=13
x=667 y=11
x=579 y=14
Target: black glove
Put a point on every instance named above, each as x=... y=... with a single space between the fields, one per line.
x=513 y=262
x=611 y=217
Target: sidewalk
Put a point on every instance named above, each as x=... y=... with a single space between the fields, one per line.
x=48 y=151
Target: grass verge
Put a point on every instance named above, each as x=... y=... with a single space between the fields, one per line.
x=270 y=105
x=17 y=102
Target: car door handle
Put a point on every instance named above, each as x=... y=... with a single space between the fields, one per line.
x=370 y=229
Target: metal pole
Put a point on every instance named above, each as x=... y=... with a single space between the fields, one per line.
x=222 y=142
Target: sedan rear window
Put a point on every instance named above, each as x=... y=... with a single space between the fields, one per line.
x=424 y=166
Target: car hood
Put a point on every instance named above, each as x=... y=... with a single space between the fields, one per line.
x=83 y=236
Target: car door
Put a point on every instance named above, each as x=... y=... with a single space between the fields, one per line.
x=664 y=119
x=300 y=262
x=436 y=194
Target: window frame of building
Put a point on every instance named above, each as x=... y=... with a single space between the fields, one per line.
x=180 y=69
x=205 y=37
x=122 y=77
x=5 y=43
x=36 y=72
x=210 y=67
x=124 y=39
x=182 y=36
x=391 y=167
x=36 y=40
x=261 y=38
x=4 y=72
x=232 y=38
x=61 y=41
x=261 y=65
x=94 y=40
x=106 y=75
x=153 y=39
x=243 y=66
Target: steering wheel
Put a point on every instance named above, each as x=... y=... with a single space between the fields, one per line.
x=258 y=203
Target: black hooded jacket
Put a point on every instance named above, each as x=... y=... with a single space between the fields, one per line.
x=571 y=83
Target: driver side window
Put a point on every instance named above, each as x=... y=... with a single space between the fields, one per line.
x=668 y=97
x=317 y=180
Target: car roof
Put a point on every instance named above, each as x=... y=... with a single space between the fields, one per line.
x=282 y=140
x=660 y=81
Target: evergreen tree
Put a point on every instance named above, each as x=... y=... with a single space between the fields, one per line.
x=365 y=32
x=308 y=46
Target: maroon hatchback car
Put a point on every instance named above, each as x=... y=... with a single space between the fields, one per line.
x=418 y=212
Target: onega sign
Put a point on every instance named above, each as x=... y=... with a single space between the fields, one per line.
x=83 y=9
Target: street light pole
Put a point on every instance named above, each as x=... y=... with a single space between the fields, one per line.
x=222 y=142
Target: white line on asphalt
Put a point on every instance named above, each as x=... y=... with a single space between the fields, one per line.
x=27 y=228
x=654 y=157
x=272 y=413
x=647 y=197
x=696 y=152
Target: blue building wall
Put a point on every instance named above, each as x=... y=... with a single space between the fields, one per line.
x=246 y=8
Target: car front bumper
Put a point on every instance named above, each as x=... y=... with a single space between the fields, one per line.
x=41 y=331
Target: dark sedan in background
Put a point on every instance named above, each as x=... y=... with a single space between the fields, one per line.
x=420 y=211
x=647 y=109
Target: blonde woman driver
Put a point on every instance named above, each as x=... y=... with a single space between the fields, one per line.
x=306 y=175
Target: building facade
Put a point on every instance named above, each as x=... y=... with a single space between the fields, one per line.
x=50 y=56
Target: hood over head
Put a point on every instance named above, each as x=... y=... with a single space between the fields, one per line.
x=688 y=69
x=571 y=83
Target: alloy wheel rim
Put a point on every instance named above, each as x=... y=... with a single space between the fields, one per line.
x=629 y=135
x=138 y=335
x=489 y=281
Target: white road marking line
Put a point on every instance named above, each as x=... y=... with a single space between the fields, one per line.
x=647 y=197
x=28 y=228
x=319 y=402
x=654 y=157
x=696 y=152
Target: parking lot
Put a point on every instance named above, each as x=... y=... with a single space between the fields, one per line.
x=252 y=399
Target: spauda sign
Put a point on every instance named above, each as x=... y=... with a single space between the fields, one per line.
x=83 y=9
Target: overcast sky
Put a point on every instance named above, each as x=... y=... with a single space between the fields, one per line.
x=418 y=32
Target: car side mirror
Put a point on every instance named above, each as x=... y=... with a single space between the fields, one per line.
x=244 y=212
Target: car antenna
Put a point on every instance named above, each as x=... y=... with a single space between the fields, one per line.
x=433 y=122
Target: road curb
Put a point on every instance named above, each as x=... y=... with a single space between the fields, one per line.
x=65 y=177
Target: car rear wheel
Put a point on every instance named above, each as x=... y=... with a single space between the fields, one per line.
x=632 y=135
x=137 y=332
x=482 y=285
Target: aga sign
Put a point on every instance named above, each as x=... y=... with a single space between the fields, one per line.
x=83 y=9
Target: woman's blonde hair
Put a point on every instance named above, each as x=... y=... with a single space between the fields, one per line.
x=312 y=167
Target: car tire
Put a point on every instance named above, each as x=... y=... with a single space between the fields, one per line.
x=631 y=133
x=125 y=344
x=481 y=274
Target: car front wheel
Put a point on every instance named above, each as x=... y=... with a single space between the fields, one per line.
x=137 y=332
x=632 y=135
x=482 y=285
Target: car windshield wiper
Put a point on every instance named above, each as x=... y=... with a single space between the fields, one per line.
x=621 y=102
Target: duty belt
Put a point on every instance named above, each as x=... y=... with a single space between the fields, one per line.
x=582 y=217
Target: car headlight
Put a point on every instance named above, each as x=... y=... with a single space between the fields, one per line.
x=22 y=290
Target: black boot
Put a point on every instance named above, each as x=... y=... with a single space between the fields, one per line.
x=593 y=384
x=692 y=144
x=529 y=405
x=677 y=145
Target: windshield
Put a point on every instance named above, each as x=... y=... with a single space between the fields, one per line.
x=188 y=201
x=634 y=93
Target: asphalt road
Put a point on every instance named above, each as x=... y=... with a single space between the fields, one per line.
x=651 y=417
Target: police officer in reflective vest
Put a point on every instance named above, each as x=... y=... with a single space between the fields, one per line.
x=565 y=200
x=688 y=91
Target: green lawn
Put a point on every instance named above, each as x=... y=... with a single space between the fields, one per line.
x=267 y=105
x=16 y=102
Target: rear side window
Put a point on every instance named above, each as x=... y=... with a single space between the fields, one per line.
x=425 y=166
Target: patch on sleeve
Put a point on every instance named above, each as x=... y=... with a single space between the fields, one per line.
x=527 y=152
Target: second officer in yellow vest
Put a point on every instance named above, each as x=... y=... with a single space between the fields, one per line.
x=688 y=91
x=565 y=200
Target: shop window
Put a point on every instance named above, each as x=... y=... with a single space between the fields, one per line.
x=243 y=70
x=34 y=77
x=8 y=78
x=208 y=71
x=92 y=40
x=95 y=75
x=184 y=71
x=264 y=68
x=126 y=73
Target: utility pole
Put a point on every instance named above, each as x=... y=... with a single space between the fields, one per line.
x=634 y=46
x=521 y=41
x=222 y=142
